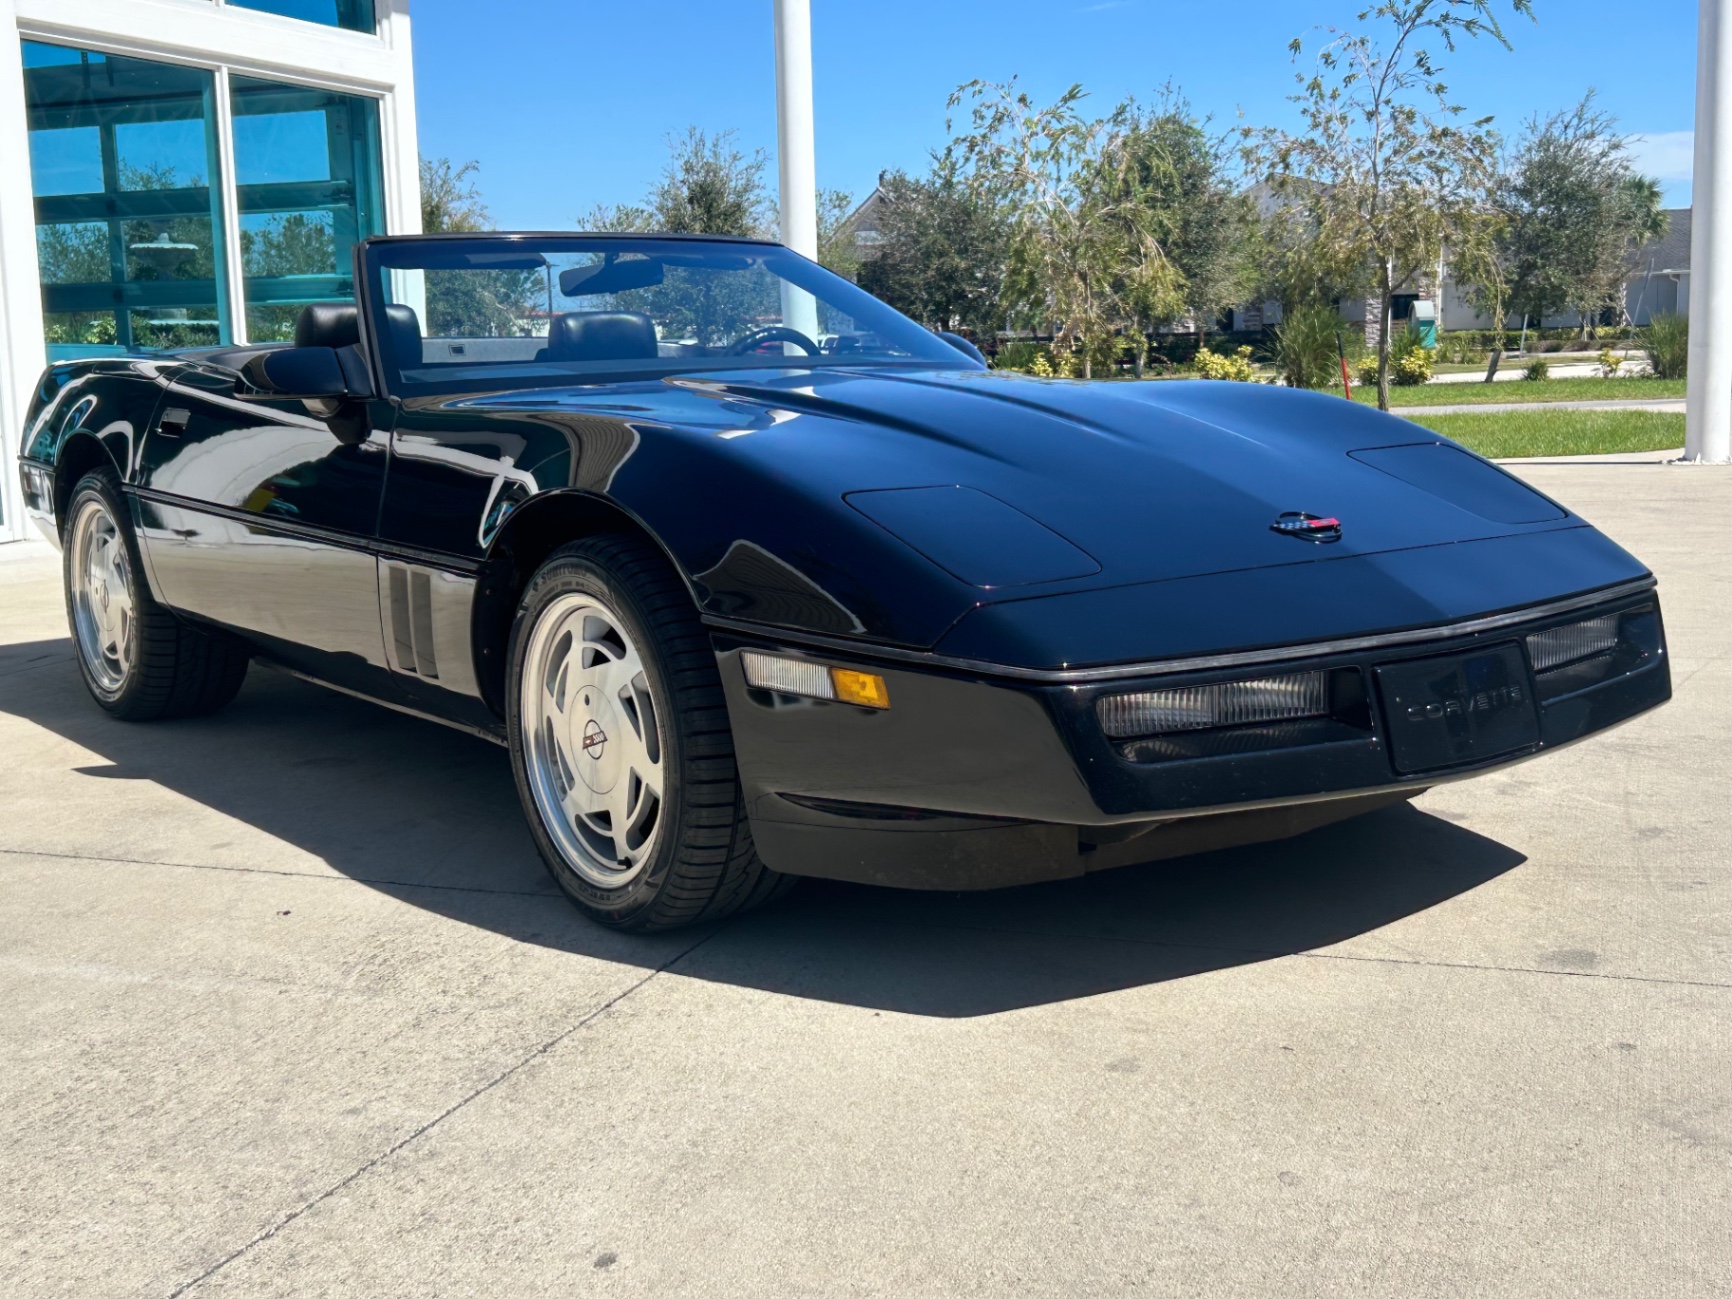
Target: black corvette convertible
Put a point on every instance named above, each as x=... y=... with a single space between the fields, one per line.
x=757 y=578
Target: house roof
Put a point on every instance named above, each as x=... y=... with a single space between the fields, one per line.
x=1671 y=252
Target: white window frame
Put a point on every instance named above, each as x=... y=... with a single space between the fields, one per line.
x=225 y=40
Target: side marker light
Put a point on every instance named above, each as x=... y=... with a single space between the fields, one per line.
x=786 y=676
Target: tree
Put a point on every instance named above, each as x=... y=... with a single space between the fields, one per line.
x=1384 y=171
x=450 y=201
x=709 y=187
x=940 y=255
x=468 y=303
x=1184 y=228
x=1116 y=225
x=1070 y=252
x=1293 y=266
x=836 y=248
x=1572 y=212
x=1481 y=257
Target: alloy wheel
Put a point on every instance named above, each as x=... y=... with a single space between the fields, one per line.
x=592 y=740
x=103 y=603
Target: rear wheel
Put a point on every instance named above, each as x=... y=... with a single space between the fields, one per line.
x=138 y=660
x=621 y=745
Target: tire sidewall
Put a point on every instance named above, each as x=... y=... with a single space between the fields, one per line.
x=568 y=572
x=99 y=486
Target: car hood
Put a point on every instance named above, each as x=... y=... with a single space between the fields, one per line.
x=1150 y=481
x=907 y=506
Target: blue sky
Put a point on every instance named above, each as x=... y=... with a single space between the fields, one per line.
x=568 y=103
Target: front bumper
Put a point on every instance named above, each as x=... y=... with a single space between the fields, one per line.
x=978 y=779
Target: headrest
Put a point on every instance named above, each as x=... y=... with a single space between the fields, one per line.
x=328 y=324
x=601 y=336
x=405 y=329
x=338 y=324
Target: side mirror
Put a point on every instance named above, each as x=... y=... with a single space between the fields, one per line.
x=962 y=345
x=330 y=381
x=309 y=374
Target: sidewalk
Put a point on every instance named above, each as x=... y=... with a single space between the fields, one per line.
x=1663 y=405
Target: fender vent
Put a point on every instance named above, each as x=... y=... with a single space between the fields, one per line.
x=411 y=612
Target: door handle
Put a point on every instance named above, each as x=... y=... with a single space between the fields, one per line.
x=173 y=422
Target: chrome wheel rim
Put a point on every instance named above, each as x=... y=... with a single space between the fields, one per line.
x=103 y=605
x=592 y=741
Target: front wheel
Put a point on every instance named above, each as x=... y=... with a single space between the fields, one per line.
x=138 y=660
x=621 y=745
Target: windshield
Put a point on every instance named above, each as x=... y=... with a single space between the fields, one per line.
x=527 y=310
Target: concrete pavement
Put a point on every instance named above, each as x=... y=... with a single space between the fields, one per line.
x=293 y=1010
x=1661 y=404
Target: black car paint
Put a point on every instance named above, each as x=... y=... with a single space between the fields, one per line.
x=390 y=567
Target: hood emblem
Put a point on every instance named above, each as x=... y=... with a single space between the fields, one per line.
x=1312 y=527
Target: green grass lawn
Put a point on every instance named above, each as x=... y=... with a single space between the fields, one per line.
x=1502 y=434
x=1465 y=394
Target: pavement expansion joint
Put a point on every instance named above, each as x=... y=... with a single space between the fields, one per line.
x=289 y=1218
x=41 y=661
x=1276 y=952
x=367 y=880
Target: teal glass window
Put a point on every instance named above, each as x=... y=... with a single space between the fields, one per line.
x=307 y=174
x=129 y=230
x=356 y=15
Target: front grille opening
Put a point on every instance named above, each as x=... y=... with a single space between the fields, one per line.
x=1582 y=655
x=1219 y=718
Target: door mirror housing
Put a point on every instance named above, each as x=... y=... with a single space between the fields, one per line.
x=331 y=382
x=962 y=345
x=309 y=374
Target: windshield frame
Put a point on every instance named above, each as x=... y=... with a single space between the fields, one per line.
x=375 y=256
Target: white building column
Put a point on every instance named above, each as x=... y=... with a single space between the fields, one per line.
x=1708 y=421
x=796 y=163
x=23 y=350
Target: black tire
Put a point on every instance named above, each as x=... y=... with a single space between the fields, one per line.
x=165 y=667
x=702 y=865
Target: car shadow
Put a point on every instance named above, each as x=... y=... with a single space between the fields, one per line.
x=429 y=815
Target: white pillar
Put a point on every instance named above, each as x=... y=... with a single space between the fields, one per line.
x=796 y=166
x=1708 y=421
x=22 y=349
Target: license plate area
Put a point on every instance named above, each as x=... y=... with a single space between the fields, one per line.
x=1458 y=708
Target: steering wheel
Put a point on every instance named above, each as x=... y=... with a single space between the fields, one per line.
x=753 y=339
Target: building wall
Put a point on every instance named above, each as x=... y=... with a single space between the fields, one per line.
x=247 y=56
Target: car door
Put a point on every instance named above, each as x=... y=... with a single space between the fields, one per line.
x=254 y=515
x=455 y=475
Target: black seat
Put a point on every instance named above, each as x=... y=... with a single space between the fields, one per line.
x=328 y=324
x=600 y=336
x=338 y=324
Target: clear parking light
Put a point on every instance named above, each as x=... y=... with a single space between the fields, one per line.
x=1580 y=640
x=1226 y=703
x=786 y=676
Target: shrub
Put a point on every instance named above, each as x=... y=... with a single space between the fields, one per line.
x=1365 y=370
x=1610 y=363
x=1666 y=344
x=1236 y=367
x=1040 y=367
x=1536 y=371
x=1411 y=369
x=1463 y=347
x=1305 y=347
x=1019 y=354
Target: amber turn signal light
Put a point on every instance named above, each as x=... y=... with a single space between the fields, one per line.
x=861 y=688
x=787 y=676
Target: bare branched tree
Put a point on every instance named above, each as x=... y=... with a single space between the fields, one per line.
x=1385 y=168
